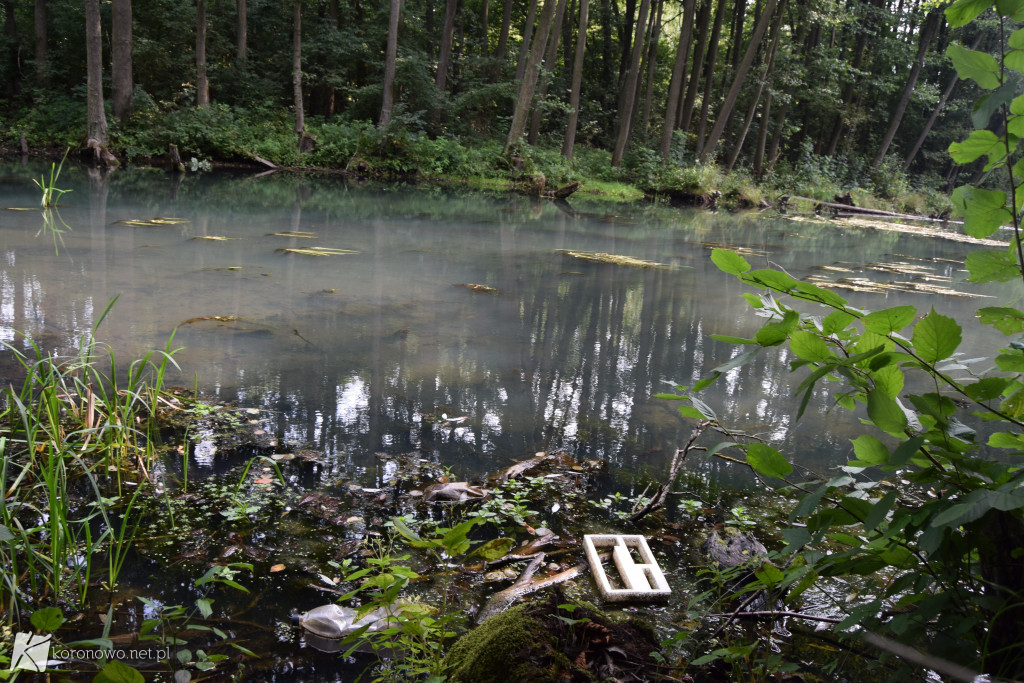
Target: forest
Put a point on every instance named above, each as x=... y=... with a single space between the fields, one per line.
x=816 y=96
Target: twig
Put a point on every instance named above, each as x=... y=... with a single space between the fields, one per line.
x=673 y=472
x=771 y=614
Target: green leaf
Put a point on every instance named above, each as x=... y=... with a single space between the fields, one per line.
x=767 y=461
x=886 y=413
x=47 y=619
x=836 y=321
x=1017 y=39
x=905 y=451
x=118 y=672
x=987 y=388
x=810 y=346
x=772 y=279
x=979 y=67
x=870 y=450
x=1013 y=9
x=984 y=211
x=991 y=266
x=494 y=549
x=879 y=510
x=5 y=534
x=690 y=411
x=1006 y=440
x=402 y=528
x=964 y=11
x=889 y=320
x=774 y=333
x=1011 y=361
x=979 y=143
x=736 y=361
x=1014 y=59
x=889 y=379
x=729 y=261
x=769 y=574
x=732 y=340
x=936 y=337
x=1006 y=320
x=989 y=104
x=203 y=604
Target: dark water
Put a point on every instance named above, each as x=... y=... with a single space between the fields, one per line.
x=346 y=354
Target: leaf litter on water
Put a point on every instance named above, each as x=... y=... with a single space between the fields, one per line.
x=614 y=259
x=215 y=238
x=151 y=222
x=317 y=251
x=293 y=233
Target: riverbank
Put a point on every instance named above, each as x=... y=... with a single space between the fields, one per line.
x=226 y=137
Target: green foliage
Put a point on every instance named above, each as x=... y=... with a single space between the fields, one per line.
x=73 y=422
x=420 y=632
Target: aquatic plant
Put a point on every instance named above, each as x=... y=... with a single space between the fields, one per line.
x=51 y=193
x=420 y=632
x=71 y=434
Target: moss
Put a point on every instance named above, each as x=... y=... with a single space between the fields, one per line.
x=490 y=651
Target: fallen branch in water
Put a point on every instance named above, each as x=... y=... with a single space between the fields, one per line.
x=524 y=585
x=772 y=615
x=658 y=500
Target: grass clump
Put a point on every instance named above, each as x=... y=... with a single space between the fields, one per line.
x=71 y=438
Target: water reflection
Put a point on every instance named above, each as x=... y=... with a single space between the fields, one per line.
x=378 y=351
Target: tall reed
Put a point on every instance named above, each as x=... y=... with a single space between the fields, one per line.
x=69 y=435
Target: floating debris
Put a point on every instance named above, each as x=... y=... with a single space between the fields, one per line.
x=859 y=284
x=317 y=251
x=923 y=231
x=218 y=318
x=743 y=251
x=614 y=259
x=480 y=289
x=152 y=222
x=293 y=233
x=22 y=208
x=215 y=238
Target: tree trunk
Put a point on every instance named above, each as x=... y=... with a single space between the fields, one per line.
x=202 y=86
x=935 y=115
x=703 y=20
x=444 y=55
x=626 y=109
x=390 y=58
x=529 y=83
x=485 y=20
x=741 y=74
x=550 y=57
x=652 y=64
x=762 y=135
x=121 y=58
x=928 y=31
x=11 y=31
x=577 y=82
x=96 y=118
x=766 y=77
x=780 y=127
x=709 y=74
x=668 y=126
x=241 y=29
x=524 y=49
x=506 y=28
x=42 y=44
x=300 y=112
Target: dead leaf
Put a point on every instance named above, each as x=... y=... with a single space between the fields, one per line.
x=277 y=568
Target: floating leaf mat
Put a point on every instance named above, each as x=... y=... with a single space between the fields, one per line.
x=906 y=228
x=293 y=233
x=614 y=259
x=474 y=287
x=318 y=251
x=152 y=222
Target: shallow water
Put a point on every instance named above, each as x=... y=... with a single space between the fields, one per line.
x=346 y=354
